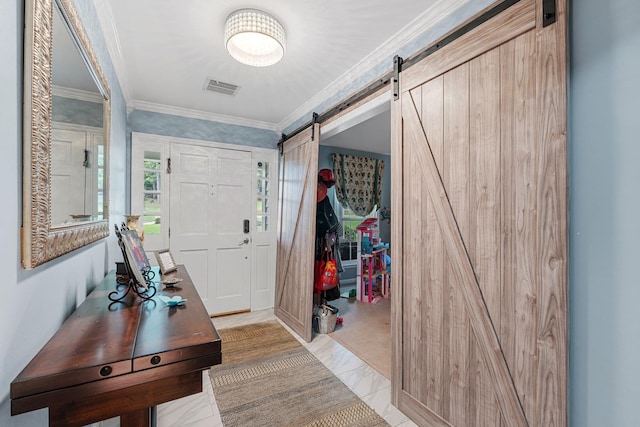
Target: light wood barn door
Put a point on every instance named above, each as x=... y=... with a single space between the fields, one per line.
x=480 y=302
x=296 y=231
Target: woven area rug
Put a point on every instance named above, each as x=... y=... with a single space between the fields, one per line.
x=267 y=378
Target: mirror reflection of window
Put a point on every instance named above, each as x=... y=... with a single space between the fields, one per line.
x=100 y=164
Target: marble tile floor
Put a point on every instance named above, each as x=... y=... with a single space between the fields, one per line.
x=200 y=410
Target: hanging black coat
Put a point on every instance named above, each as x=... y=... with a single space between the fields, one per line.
x=326 y=219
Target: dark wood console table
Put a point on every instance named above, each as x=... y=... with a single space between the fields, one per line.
x=120 y=359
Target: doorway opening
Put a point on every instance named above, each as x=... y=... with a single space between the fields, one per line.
x=365 y=329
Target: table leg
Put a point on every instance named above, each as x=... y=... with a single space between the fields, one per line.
x=141 y=417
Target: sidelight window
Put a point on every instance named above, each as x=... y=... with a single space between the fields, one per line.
x=263 y=197
x=152 y=192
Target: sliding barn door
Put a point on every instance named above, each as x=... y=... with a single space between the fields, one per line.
x=480 y=302
x=296 y=231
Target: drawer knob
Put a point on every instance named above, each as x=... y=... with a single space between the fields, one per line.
x=155 y=360
x=105 y=371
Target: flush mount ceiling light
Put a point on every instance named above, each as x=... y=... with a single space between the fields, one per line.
x=254 y=37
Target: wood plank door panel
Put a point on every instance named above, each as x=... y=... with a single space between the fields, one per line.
x=456 y=179
x=480 y=317
x=296 y=230
x=519 y=219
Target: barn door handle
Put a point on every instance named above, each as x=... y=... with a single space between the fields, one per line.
x=244 y=242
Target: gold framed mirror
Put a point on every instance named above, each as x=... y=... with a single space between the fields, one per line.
x=66 y=129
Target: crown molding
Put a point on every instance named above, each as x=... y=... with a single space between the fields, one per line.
x=430 y=17
x=203 y=115
x=110 y=33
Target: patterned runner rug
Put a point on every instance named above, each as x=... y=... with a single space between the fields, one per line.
x=267 y=378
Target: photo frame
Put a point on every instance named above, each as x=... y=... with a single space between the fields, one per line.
x=138 y=253
x=165 y=261
x=135 y=257
x=132 y=260
x=138 y=278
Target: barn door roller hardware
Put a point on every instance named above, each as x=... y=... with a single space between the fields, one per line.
x=397 y=68
x=548 y=12
x=400 y=64
x=314 y=119
x=283 y=138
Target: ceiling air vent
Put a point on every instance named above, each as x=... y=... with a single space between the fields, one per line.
x=213 y=85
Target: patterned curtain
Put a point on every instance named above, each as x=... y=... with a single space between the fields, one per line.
x=358 y=182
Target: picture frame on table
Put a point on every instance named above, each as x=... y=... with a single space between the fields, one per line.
x=139 y=255
x=165 y=261
x=135 y=256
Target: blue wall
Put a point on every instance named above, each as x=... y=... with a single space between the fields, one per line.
x=35 y=303
x=199 y=129
x=604 y=292
x=75 y=111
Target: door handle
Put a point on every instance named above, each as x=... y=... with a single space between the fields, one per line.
x=244 y=242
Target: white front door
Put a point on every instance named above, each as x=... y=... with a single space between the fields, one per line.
x=77 y=157
x=232 y=190
x=210 y=201
x=68 y=181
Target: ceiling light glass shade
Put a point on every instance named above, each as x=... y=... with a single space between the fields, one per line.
x=254 y=37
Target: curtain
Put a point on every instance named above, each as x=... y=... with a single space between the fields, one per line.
x=358 y=182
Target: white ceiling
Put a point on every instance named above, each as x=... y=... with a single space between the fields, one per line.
x=166 y=49
x=372 y=135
